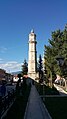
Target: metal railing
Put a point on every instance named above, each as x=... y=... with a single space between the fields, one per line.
x=6 y=101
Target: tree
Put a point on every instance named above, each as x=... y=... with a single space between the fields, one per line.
x=57 y=47
x=25 y=68
x=40 y=68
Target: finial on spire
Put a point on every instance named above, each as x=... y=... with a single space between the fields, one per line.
x=32 y=31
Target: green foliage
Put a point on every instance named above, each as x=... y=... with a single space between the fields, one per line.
x=43 y=89
x=57 y=107
x=25 y=68
x=40 y=63
x=57 y=47
x=40 y=67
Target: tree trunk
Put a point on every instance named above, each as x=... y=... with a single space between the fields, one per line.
x=66 y=85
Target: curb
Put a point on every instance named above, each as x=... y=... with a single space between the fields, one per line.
x=25 y=115
x=43 y=108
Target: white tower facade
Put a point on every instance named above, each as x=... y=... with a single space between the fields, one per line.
x=32 y=58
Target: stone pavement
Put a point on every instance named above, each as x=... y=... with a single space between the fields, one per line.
x=35 y=107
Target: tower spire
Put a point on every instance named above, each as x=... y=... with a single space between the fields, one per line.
x=32 y=31
x=32 y=59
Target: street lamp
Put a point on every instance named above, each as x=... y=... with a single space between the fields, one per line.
x=60 y=61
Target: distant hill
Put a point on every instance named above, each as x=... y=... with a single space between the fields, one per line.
x=15 y=73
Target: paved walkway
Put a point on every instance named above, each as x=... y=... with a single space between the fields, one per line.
x=35 y=108
x=61 y=91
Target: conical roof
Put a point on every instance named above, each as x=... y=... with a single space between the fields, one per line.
x=32 y=31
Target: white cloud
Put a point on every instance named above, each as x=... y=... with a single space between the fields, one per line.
x=3 y=49
x=11 y=66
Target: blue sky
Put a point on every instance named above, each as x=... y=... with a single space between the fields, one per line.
x=17 y=18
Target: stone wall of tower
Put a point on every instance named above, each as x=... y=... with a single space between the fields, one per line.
x=32 y=59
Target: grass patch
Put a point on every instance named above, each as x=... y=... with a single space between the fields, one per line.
x=46 y=90
x=18 y=108
x=57 y=107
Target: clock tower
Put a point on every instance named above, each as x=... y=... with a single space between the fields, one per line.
x=32 y=57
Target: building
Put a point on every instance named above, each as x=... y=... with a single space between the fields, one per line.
x=2 y=74
x=5 y=76
x=32 y=58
